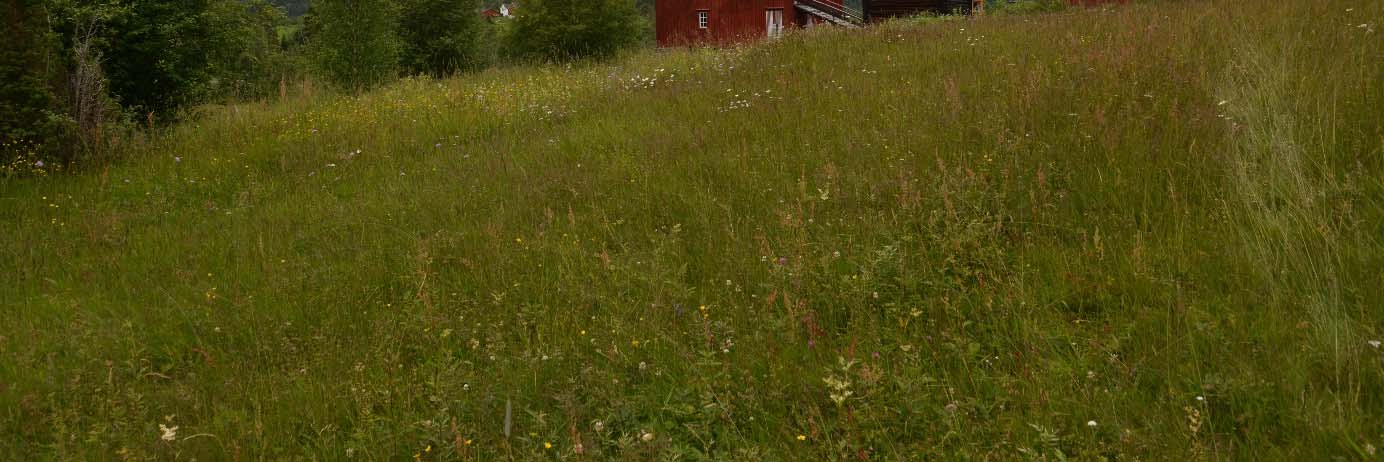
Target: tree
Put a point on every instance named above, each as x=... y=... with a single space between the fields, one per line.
x=33 y=127
x=255 y=61
x=353 y=42
x=164 y=54
x=440 y=37
x=557 y=30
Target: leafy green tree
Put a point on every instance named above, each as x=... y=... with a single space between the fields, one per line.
x=354 y=43
x=557 y=30
x=440 y=37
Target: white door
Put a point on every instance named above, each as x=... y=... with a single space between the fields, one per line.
x=773 y=22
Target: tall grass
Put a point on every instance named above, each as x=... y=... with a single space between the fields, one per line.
x=1139 y=232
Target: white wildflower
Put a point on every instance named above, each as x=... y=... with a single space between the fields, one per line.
x=169 y=433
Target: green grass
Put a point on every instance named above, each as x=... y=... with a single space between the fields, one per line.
x=957 y=240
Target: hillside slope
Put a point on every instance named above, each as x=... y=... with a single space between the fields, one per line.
x=1144 y=232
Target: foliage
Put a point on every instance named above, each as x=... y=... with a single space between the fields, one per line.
x=262 y=57
x=440 y=37
x=161 y=55
x=294 y=8
x=33 y=128
x=354 y=43
x=1024 y=6
x=560 y=30
x=1095 y=235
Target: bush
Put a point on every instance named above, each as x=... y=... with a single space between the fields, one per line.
x=353 y=42
x=559 y=30
x=440 y=37
x=161 y=55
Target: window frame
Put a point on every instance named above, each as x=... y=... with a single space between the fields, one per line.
x=774 y=30
x=703 y=19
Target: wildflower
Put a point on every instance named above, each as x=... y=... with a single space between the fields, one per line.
x=38 y=164
x=1091 y=423
x=647 y=436
x=1369 y=449
x=1374 y=343
x=177 y=159
x=598 y=426
x=350 y=452
x=547 y=445
x=169 y=433
x=802 y=437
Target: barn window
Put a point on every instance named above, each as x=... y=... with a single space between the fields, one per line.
x=703 y=18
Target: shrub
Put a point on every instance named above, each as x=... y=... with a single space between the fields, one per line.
x=353 y=42
x=559 y=30
x=440 y=37
x=161 y=55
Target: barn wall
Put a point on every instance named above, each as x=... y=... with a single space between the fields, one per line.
x=731 y=21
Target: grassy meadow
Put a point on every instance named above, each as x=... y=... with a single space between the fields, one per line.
x=1145 y=232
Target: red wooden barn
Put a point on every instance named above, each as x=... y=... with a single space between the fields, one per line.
x=685 y=22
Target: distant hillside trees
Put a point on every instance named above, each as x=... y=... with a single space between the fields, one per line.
x=555 y=30
x=354 y=43
x=440 y=37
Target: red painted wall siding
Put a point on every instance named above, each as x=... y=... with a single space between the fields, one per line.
x=730 y=21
